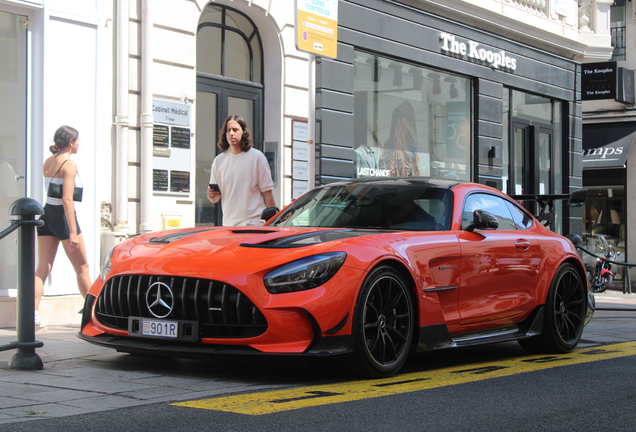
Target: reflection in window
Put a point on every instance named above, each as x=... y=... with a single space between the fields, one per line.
x=605 y=214
x=410 y=121
x=493 y=205
x=522 y=219
x=531 y=107
x=403 y=206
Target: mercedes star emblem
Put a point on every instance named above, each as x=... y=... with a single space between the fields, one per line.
x=159 y=299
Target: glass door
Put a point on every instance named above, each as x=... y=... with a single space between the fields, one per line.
x=13 y=112
x=216 y=100
x=519 y=156
x=543 y=146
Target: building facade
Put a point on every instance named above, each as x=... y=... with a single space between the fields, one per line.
x=487 y=91
x=609 y=130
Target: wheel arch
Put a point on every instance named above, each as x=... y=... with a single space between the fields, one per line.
x=403 y=271
x=567 y=260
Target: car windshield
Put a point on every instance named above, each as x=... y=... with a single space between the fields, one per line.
x=403 y=206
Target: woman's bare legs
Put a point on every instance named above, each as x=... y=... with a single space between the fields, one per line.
x=47 y=248
x=80 y=264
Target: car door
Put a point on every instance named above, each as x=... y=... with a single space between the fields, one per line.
x=499 y=268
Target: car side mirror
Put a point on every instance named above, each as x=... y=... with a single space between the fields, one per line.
x=483 y=220
x=268 y=213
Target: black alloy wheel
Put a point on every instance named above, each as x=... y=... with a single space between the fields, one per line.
x=564 y=314
x=384 y=324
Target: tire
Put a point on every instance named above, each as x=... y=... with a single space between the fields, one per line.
x=384 y=325
x=598 y=282
x=564 y=317
x=608 y=279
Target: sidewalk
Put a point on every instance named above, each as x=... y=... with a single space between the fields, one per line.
x=80 y=378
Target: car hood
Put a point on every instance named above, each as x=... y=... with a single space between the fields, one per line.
x=215 y=252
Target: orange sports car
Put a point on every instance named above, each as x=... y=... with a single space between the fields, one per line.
x=368 y=269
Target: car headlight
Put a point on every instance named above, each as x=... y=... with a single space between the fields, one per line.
x=304 y=274
x=103 y=272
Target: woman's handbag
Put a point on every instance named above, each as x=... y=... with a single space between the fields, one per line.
x=55 y=190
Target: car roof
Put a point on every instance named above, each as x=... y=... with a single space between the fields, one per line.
x=398 y=181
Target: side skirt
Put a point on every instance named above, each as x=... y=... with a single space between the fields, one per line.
x=437 y=336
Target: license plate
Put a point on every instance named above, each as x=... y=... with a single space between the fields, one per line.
x=155 y=328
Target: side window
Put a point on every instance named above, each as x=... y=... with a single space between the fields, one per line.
x=490 y=203
x=522 y=219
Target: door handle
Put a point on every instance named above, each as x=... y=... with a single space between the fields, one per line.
x=522 y=244
x=18 y=177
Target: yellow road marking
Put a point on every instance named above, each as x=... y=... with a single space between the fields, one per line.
x=302 y=397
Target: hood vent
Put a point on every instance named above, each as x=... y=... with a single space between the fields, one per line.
x=312 y=238
x=173 y=237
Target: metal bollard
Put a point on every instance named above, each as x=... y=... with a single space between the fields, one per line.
x=25 y=358
x=627 y=283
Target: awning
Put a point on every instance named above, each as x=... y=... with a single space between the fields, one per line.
x=607 y=145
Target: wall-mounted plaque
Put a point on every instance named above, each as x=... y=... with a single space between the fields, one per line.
x=179 y=181
x=160 y=135
x=180 y=137
x=160 y=180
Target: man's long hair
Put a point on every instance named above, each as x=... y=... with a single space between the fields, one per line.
x=246 y=140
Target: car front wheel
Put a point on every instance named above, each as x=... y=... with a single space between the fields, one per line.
x=384 y=324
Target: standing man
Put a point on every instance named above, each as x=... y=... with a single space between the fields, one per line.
x=242 y=175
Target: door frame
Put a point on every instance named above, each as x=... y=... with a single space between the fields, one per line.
x=531 y=155
x=224 y=89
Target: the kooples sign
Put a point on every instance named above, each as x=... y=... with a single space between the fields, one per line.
x=473 y=50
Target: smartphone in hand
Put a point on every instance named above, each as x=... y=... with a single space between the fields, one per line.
x=215 y=187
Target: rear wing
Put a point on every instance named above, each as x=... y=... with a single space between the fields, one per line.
x=546 y=202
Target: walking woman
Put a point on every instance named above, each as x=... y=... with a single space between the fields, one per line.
x=60 y=220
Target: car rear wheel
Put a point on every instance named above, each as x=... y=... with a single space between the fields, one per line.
x=564 y=314
x=384 y=324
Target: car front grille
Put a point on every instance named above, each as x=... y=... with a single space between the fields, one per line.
x=221 y=310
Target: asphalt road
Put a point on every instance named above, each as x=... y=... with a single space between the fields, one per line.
x=491 y=393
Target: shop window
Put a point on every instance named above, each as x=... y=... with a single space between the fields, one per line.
x=531 y=107
x=410 y=121
x=605 y=217
x=618 y=29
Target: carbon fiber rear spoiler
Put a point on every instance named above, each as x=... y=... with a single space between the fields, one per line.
x=546 y=202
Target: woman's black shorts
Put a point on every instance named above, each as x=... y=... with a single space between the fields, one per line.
x=55 y=223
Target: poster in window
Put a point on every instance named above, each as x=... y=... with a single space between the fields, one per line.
x=160 y=136
x=160 y=180
x=180 y=137
x=179 y=181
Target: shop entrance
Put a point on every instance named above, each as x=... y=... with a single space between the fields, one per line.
x=229 y=82
x=216 y=100
x=531 y=151
x=13 y=114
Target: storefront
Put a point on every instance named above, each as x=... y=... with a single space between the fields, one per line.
x=412 y=93
x=606 y=173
